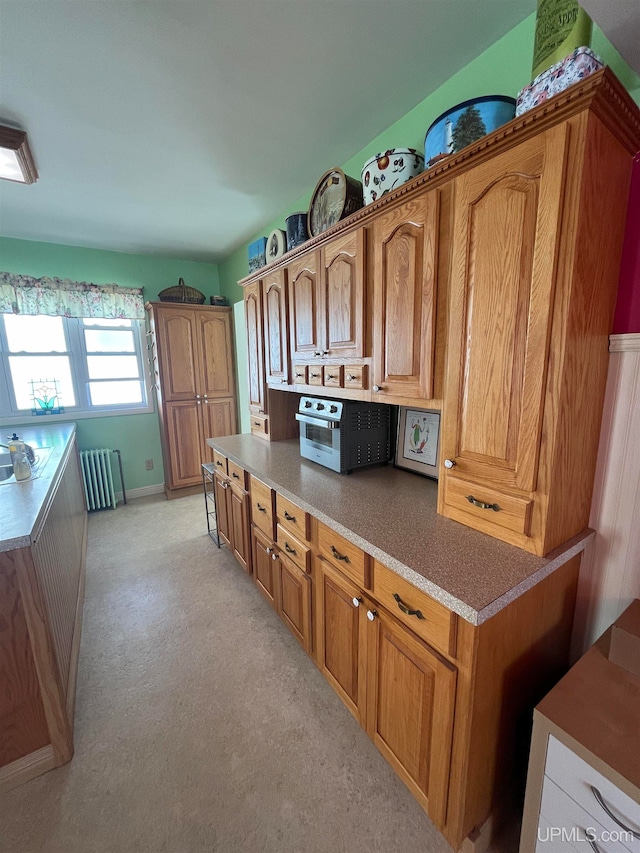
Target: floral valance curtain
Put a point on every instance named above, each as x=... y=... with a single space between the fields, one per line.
x=21 y=294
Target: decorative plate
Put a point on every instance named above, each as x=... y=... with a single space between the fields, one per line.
x=336 y=196
x=276 y=244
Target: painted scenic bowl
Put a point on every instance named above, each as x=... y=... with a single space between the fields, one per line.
x=388 y=170
x=466 y=123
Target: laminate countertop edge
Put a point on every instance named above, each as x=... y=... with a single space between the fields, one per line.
x=295 y=475
x=24 y=505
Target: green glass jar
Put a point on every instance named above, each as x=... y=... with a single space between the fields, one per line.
x=561 y=27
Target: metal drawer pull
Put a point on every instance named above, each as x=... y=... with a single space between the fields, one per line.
x=289 y=517
x=256 y=423
x=600 y=800
x=218 y=462
x=406 y=609
x=261 y=508
x=237 y=476
x=339 y=556
x=482 y=504
x=315 y=375
x=590 y=841
x=289 y=549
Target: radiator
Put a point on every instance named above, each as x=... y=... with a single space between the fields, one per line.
x=98 y=479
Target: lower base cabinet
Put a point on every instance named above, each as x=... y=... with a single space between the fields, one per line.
x=286 y=586
x=400 y=690
x=447 y=703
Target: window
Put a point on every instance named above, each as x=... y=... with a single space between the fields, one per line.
x=97 y=364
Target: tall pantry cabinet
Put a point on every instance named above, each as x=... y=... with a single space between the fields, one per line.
x=194 y=378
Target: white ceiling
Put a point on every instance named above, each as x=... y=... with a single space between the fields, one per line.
x=180 y=127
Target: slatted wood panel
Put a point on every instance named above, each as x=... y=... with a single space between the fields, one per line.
x=58 y=557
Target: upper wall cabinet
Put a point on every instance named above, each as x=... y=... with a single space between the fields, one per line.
x=343 y=290
x=276 y=328
x=485 y=287
x=405 y=248
x=326 y=300
x=536 y=248
x=255 y=347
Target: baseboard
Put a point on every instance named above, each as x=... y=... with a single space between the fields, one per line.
x=24 y=769
x=142 y=492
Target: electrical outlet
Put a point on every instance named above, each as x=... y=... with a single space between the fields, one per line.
x=148 y=464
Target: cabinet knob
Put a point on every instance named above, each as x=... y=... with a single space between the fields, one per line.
x=326 y=352
x=330 y=376
x=198 y=402
x=449 y=463
x=371 y=615
x=350 y=377
x=274 y=556
x=357 y=601
x=317 y=354
x=197 y=396
x=269 y=551
x=377 y=388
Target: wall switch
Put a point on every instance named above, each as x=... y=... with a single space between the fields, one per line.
x=148 y=464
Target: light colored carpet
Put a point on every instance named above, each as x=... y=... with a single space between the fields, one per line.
x=201 y=725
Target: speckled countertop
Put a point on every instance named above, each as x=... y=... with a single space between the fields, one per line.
x=391 y=514
x=24 y=504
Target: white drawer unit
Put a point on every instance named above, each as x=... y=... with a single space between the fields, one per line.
x=595 y=795
x=583 y=785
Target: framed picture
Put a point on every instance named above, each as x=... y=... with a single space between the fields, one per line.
x=418 y=441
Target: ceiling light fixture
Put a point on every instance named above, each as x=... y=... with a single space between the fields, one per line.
x=16 y=162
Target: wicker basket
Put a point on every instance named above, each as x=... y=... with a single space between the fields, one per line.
x=182 y=293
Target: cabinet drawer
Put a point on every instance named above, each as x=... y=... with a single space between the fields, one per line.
x=292 y=518
x=236 y=474
x=333 y=375
x=220 y=462
x=300 y=374
x=259 y=424
x=355 y=376
x=513 y=513
x=345 y=556
x=294 y=549
x=565 y=826
x=575 y=776
x=438 y=627
x=315 y=374
x=262 y=507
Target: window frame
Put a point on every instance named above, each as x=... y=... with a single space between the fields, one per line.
x=73 y=329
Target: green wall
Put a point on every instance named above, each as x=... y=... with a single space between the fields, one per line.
x=504 y=68
x=137 y=436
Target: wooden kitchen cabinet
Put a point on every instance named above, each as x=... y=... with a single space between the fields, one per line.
x=264 y=566
x=405 y=284
x=276 y=328
x=341 y=626
x=397 y=687
x=532 y=294
x=42 y=582
x=232 y=508
x=327 y=311
x=195 y=386
x=272 y=414
x=411 y=693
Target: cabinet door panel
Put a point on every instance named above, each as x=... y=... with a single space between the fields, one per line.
x=276 y=326
x=341 y=639
x=264 y=567
x=344 y=271
x=505 y=240
x=223 y=515
x=306 y=306
x=218 y=418
x=405 y=253
x=216 y=347
x=410 y=713
x=185 y=443
x=255 y=346
x=178 y=352
x=294 y=600
x=239 y=512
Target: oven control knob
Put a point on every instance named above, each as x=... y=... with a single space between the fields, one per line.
x=319 y=407
x=333 y=409
x=308 y=404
